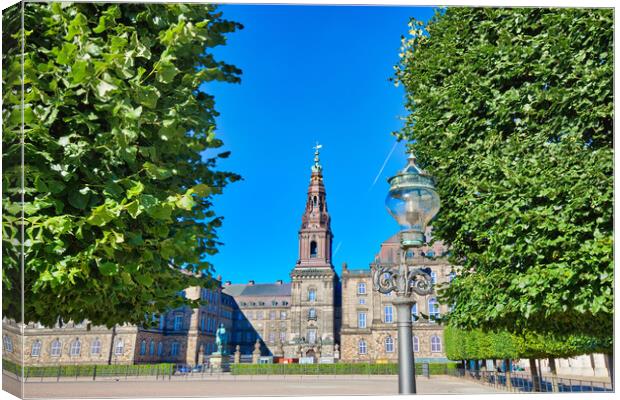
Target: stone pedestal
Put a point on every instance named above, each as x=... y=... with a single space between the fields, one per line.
x=219 y=363
x=237 y=355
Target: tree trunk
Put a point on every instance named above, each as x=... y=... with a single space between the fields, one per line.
x=535 y=377
x=508 y=375
x=609 y=359
x=554 y=374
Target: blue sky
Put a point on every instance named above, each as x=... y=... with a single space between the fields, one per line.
x=310 y=73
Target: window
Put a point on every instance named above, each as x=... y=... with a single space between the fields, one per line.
x=178 y=322
x=120 y=347
x=272 y=315
x=312 y=314
x=414 y=312
x=312 y=295
x=361 y=346
x=249 y=315
x=143 y=347
x=174 y=350
x=160 y=348
x=312 y=336
x=162 y=322
x=95 y=346
x=274 y=303
x=203 y=321
x=75 y=348
x=259 y=315
x=285 y=303
x=8 y=344
x=435 y=344
x=272 y=337
x=433 y=277
x=430 y=253
x=36 y=349
x=152 y=348
x=361 y=320
x=409 y=254
x=388 y=314
x=313 y=249
x=283 y=315
x=433 y=308
x=362 y=301
x=416 y=344
x=451 y=276
x=361 y=288
x=283 y=336
x=389 y=344
x=56 y=348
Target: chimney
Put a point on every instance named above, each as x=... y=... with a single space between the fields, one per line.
x=279 y=282
x=251 y=283
x=228 y=283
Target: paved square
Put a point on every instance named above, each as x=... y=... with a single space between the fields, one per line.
x=228 y=385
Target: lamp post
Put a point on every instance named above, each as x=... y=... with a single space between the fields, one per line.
x=413 y=202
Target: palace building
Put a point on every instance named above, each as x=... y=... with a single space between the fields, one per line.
x=317 y=314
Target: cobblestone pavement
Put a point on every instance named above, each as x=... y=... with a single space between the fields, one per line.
x=242 y=386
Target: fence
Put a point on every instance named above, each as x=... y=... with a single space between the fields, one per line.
x=522 y=382
x=94 y=372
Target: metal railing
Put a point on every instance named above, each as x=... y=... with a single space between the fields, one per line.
x=523 y=382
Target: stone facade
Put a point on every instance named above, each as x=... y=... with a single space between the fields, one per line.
x=369 y=332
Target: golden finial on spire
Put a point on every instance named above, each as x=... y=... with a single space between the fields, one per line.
x=316 y=167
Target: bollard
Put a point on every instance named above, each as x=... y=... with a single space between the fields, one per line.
x=95 y=372
x=426 y=370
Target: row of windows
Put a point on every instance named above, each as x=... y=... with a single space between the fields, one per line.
x=260 y=315
x=75 y=347
x=262 y=303
x=388 y=313
x=174 y=348
x=388 y=344
x=207 y=324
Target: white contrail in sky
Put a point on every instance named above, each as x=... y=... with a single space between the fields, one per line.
x=337 y=247
x=383 y=166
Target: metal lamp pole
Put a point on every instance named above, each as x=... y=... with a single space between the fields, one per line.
x=413 y=202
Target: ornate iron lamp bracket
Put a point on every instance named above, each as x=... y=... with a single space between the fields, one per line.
x=401 y=279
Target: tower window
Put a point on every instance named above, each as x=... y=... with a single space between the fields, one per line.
x=312 y=295
x=313 y=249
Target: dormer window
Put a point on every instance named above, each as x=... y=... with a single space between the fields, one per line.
x=313 y=249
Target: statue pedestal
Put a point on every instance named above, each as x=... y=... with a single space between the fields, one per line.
x=219 y=363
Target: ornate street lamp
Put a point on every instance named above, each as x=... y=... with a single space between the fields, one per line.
x=413 y=202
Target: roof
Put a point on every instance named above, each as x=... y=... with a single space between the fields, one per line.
x=258 y=289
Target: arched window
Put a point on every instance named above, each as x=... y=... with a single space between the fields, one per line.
x=143 y=347
x=119 y=348
x=433 y=308
x=160 y=348
x=313 y=249
x=312 y=313
x=152 y=348
x=414 y=312
x=361 y=346
x=75 y=348
x=36 y=349
x=8 y=344
x=56 y=348
x=435 y=344
x=416 y=344
x=389 y=344
x=95 y=346
x=361 y=288
x=314 y=201
x=311 y=294
x=433 y=277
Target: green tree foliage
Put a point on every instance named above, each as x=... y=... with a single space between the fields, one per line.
x=477 y=344
x=511 y=110
x=117 y=192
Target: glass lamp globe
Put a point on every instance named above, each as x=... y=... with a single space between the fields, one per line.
x=413 y=202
